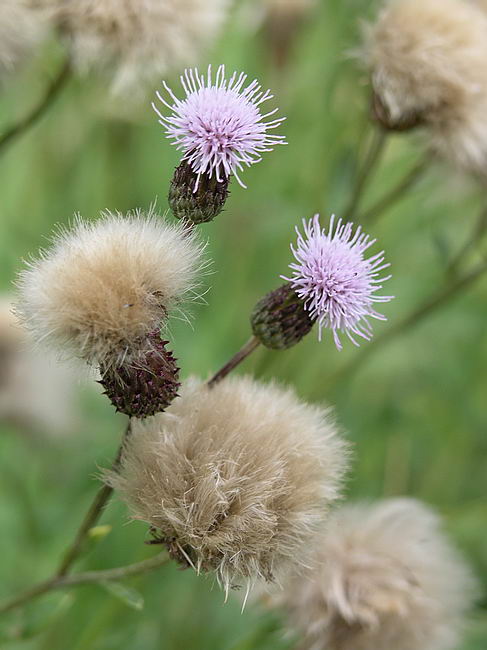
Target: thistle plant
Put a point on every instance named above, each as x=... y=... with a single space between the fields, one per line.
x=332 y=284
x=231 y=476
x=433 y=75
x=220 y=129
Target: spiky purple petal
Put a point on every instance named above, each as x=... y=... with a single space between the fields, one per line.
x=219 y=125
x=336 y=281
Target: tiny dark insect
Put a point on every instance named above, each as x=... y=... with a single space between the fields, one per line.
x=176 y=552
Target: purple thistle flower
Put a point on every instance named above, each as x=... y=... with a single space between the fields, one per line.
x=219 y=125
x=334 y=279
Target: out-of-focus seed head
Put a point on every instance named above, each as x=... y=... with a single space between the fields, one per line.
x=405 y=121
x=387 y=578
x=135 y=42
x=427 y=59
x=23 y=26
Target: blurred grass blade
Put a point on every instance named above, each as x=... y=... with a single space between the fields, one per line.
x=127 y=595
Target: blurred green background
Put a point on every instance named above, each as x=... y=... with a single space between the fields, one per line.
x=414 y=407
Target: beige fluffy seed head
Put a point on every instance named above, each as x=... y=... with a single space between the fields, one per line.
x=237 y=478
x=139 y=40
x=389 y=579
x=104 y=285
x=22 y=27
x=427 y=60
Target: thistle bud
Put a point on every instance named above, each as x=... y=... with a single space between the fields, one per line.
x=280 y=319
x=196 y=198
x=144 y=386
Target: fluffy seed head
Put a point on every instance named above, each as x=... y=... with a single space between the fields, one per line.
x=219 y=125
x=335 y=280
x=388 y=578
x=102 y=287
x=22 y=27
x=139 y=40
x=236 y=478
x=427 y=60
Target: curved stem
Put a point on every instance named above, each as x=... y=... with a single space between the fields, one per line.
x=60 y=582
x=372 y=159
x=52 y=91
x=476 y=234
x=251 y=345
x=411 y=178
x=101 y=499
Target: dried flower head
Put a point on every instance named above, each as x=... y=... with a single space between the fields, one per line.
x=388 y=579
x=104 y=286
x=427 y=60
x=236 y=479
x=219 y=125
x=139 y=40
x=22 y=27
x=335 y=280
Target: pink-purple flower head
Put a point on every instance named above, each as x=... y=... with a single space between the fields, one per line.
x=219 y=125
x=337 y=283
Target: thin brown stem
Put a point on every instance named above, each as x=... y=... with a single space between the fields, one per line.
x=371 y=161
x=50 y=95
x=372 y=214
x=436 y=301
x=251 y=345
x=89 y=577
x=101 y=499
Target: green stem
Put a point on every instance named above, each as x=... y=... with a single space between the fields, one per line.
x=372 y=159
x=383 y=204
x=50 y=95
x=89 y=577
x=477 y=233
x=101 y=499
x=436 y=301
